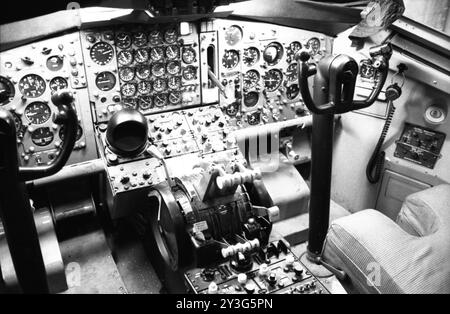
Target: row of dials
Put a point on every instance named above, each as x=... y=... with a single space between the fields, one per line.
x=146 y=102
x=156 y=54
x=44 y=136
x=158 y=70
x=124 y=40
x=272 y=53
x=31 y=86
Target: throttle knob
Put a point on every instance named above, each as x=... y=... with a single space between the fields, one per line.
x=62 y=97
x=127 y=131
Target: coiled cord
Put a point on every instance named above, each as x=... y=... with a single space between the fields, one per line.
x=376 y=161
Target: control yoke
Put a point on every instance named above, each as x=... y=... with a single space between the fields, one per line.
x=335 y=79
x=334 y=86
x=67 y=117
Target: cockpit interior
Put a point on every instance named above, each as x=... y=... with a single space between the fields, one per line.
x=225 y=147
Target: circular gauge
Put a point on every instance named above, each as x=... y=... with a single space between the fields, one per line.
x=143 y=72
x=172 y=52
x=233 y=35
x=251 y=56
x=175 y=98
x=156 y=53
x=171 y=36
x=155 y=38
x=145 y=103
x=232 y=109
x=58 y=83
x=189 y=73
x=79 y=133
x=173 y=67
x=141 y=56
x=174 y=82
x=366 y=69
x=7 y=91
x=160 y=100
x=294 y=47
x=55 y=63
x=314 y=45
x=251 y=79
x=273 y=80
x=125 y=57
x=108 y=35
x=123 y=40
x=144 y=87
x=42 y=136
x=254 y=118
x=105 y=81
x=38 y=112
x=18 y=124
x=102 y=53
x=128 y=90
x=291 y=72
x=251 y=99
x=159 y=85
x=129 y=103
x=292 y=91
x=126 y=74
x=188 y=55
x=140 y=39
x=158 y=69
x=32 y=85
x=230 y=59
x=273 y=53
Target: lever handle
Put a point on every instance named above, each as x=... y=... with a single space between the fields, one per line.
x=67 y=116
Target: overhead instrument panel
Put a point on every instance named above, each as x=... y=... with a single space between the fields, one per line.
x=151 y=68
x=258 y=71
x=29 y=75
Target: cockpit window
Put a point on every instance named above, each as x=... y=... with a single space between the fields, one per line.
x=434 y=14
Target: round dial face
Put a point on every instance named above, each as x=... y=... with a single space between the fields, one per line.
x=291 y=72
x=174 y=98
x=172 y=52
x=42 y=136
x=155 y=38
x=123 y=40
x=254 y=118
x=273 y=53
x=188 y=55
x=174 y=82
x=125 y=57
x=294 y=47
x=251 y=79
x=140 y=39
x=160 y=100
x=143 y=72
x=189 y=73
x=18 y=124
x=128 y=90
x=273 y=80
x=144 y=87
x=126 y=74
x=58 y=83
x=251 y=56
x=292 y=91
x=171 y=36
x=230 y=59
x=251 y=99
x=38 y=112
x=314 y=45
x=158 y=69
x=173 y=67
x=159 y=85
x=7 y=91
x=129 y=103
x=141 y=56
x=157 y=53
x=32 y=85
x=233 y=35
x=366 y=69
x=55 y=63
x=105 y=81
x=79 y=133
x=102 y=53
x=145 y=102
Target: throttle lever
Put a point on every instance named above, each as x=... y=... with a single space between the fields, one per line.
x=66 y=116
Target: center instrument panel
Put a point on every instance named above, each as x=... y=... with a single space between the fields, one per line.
x=195 y=83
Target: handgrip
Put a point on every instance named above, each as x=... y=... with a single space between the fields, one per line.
x=67 y=116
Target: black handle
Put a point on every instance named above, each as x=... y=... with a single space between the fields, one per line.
x=66 y=116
